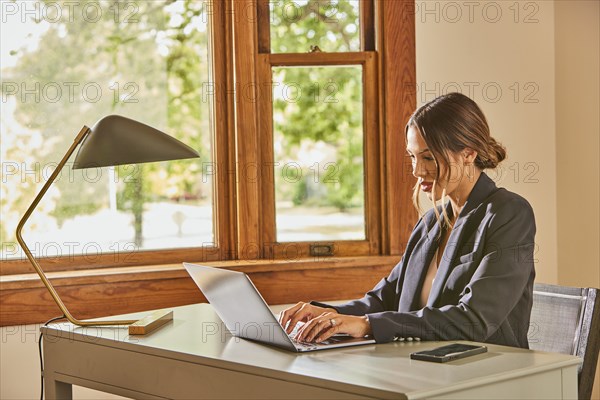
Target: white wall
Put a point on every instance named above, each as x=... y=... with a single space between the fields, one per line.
x=549 y=122
x=502 y=56
x=554 y=48
x=578 y=141
x=577 y=37
x=20 y=366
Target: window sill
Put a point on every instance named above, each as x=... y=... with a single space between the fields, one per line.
x=111 y=291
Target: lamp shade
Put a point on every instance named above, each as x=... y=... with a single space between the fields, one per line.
x=116 y=140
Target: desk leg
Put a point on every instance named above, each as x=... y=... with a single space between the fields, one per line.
x=56 y=390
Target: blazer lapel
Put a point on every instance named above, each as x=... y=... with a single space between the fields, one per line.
x=482 y=189
x=444 y=268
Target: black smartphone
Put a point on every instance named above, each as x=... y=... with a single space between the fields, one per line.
x=448 y=353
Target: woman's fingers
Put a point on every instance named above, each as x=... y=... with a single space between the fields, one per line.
x=314 y=327
x=286 y=315
x=301 y=312
x=327 y=333
x=328 y=324
x=304 y=313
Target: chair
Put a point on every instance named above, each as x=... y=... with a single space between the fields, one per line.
x=567 y=320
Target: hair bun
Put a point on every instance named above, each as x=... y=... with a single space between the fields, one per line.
x=495 y=155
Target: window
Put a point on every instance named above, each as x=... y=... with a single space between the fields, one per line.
x=296 y=107
x=319 y=129
x=322 y=132
x=318 y=145
x=69 y=64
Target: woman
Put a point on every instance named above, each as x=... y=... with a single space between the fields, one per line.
x=468 y=271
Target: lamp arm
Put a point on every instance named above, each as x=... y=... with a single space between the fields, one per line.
x=78 y=139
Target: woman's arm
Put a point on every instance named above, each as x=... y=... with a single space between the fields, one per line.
x=379 y=299
x=385 y=295
x=373 y=302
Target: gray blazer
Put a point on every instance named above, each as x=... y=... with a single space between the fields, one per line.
x=484 y=285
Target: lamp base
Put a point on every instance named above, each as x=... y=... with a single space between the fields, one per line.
x=151 y=322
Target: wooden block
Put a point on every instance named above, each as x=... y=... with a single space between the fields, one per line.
x=151 y=322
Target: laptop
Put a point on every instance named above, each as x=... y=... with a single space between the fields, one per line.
x=246 y=314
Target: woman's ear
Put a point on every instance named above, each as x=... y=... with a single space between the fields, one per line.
x=469 y=155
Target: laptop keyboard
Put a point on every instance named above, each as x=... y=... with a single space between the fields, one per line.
x=306 y=345
x=331 y=340
x=335 y=339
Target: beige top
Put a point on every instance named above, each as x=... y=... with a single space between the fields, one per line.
x=433 y=268
x=429 y=278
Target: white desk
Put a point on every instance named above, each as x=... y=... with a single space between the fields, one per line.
x=194 y=357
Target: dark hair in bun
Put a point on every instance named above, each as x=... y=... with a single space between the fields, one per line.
x=453 y=122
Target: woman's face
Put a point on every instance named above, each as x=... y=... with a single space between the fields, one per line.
x=424 y=167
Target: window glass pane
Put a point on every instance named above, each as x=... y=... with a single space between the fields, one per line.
x=318 y=153
x=332 y=25
x=67 y=64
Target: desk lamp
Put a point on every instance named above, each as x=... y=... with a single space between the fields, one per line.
x=113 y=140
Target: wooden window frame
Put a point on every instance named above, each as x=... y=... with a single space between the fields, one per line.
x=155 y=279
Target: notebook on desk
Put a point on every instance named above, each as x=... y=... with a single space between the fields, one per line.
x=246 y=314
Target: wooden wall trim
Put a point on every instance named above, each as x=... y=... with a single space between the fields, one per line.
x=264 y=26
x=98 y=293
x=250 y=165
x=327 y=59
x=397 y=48
x=367 y=25
x=224 y=194
x=99 y=260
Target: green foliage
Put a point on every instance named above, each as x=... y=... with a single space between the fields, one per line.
x=300 y=194
x=132 y=197
x=145 y=66
x=326 y=108
x=320 y=104
x=299 y=24
x=347 y=192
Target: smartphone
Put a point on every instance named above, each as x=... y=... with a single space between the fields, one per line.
x=448 y=353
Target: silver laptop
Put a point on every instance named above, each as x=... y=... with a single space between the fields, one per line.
x=246 y=314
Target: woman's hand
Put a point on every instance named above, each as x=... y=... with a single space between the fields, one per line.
x=328 y=324
x=301 y=312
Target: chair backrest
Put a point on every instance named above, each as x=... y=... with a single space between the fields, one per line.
x=567 y=320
